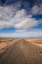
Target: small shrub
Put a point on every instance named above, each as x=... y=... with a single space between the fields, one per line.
x=0 y=41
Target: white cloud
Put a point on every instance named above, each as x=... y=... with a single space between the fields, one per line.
x=17 y=19
x=11 y=16
x=18 y=34
x=36 y=9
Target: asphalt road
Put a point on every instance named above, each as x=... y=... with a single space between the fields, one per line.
x=22 y=52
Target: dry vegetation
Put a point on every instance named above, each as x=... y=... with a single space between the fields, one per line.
x=35 y=41
x=6 y=42
x=21 y=51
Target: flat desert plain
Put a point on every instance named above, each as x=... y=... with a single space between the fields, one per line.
x=6 y=42
x=20 y=50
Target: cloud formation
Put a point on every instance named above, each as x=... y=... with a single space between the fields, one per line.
x=23 y=34
x=19 y=14
x=36 y=9
x=11 y=17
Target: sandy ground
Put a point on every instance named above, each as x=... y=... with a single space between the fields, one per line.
x=5 y=43
x=35 y=41
x=22 y=52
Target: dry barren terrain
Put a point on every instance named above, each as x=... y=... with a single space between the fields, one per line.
x=6 y=42
x=21 y=51
x=35 y=41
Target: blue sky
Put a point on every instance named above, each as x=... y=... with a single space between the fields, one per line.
x=20 y=18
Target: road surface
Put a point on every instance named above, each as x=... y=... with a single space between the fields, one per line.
x=22 y=52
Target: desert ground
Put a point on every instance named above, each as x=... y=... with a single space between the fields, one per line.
x=20 y=50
